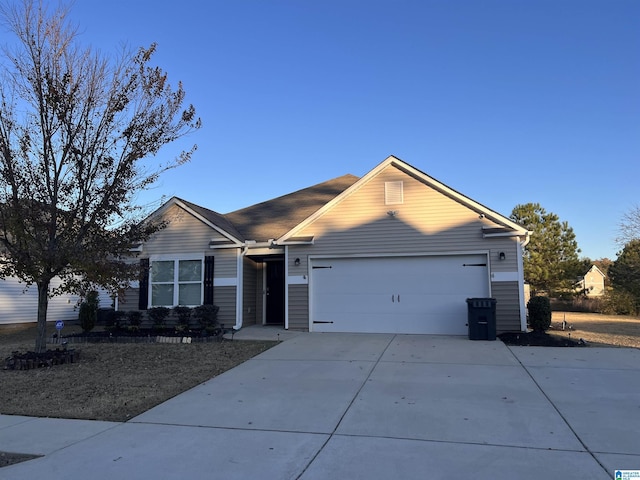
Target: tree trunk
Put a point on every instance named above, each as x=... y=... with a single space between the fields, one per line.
x=43 y=303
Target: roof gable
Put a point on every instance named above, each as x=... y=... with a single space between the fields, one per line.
x=595 y=269
x=505 y=226
x=211 y=218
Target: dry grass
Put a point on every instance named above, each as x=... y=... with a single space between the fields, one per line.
x=112 y=382
x=599 y=330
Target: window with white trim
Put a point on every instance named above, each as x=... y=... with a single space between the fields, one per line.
x=176 y=282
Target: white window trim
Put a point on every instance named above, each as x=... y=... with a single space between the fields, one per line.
x=175 y=259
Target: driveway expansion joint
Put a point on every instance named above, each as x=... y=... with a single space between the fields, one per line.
x=586 y=449
x=355 y=396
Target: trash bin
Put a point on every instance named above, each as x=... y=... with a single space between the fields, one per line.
x=482 y=318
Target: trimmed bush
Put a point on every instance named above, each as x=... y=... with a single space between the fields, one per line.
x=134 y=318
x=115 y=321
x=159 y=316
x=184 y=315
x=88 y=313
x=207 y=316
x=539 y=313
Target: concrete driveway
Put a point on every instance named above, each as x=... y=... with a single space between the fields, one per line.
x=359 y=406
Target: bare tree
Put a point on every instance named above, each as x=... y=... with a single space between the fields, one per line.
x=629 y=226
x=77 y=133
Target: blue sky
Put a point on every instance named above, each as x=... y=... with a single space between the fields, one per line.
x=538 y=97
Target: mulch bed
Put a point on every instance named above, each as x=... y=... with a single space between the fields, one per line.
x=31 y=360
x=144 y=336
x=538 y=339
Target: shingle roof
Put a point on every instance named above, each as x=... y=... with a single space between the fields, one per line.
x=273 y=218
x=214 y=217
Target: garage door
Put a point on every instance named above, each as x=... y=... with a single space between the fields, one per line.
x=396 y=294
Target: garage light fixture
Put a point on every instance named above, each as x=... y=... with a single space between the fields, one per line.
x=296 y=262
x=502 y=256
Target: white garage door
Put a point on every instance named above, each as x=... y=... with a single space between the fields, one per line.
x=396 y=294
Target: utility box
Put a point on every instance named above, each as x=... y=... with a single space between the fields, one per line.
x=482 y=318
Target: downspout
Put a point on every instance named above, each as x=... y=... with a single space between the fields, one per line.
x=523 y=307
x=240 y=285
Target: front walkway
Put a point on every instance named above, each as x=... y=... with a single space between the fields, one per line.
x=263 y=332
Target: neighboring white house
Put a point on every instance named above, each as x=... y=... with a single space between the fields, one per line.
x=593 y=282
x=19 y=303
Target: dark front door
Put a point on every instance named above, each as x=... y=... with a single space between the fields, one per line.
x=275 y=293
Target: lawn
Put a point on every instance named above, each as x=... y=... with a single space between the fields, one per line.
x=113 y=382
x=598 y=330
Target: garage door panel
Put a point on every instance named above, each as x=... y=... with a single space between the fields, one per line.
x=357 y=303
x=424 y=294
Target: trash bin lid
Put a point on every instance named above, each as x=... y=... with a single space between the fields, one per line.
x=481 y=302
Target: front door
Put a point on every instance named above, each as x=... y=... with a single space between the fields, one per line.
x=275 y=293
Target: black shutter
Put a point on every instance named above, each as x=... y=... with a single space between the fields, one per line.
x=208 y=281
x=143 y=298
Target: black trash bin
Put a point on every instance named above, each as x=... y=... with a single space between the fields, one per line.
x=482 y=318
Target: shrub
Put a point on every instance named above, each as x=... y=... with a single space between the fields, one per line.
x=115 y=321
x=134 y=317
x=207 y=316
x=184 y=315
x=539 y=313
x=578 y=304
x=88 y=313
x=159 y=316
x=619 y=302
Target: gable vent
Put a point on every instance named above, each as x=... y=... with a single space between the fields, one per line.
x=393 y=194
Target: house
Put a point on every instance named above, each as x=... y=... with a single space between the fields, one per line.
x=19 y=302
x=592 y=283
x=394 y=251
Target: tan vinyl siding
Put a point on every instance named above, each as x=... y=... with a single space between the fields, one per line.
x=508 y=245
x=298 y=307
x=226 y=262
x=183 y=234
x=507 y=306
x=225 y=298
x=427 y=222
x=249 y=293
x=128 y=300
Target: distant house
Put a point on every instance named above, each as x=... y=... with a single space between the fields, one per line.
x=592 y=284
x=394 y=251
